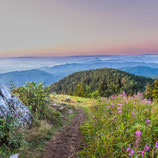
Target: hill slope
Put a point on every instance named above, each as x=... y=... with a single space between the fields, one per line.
x=141 y=70
x=19 y=78
x=106 y=81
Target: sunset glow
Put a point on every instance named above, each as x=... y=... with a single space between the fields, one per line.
x=78 y=27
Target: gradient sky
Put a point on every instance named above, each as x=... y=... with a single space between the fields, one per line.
x=78 y=27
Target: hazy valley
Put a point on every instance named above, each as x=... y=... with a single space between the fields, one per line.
x=33 y=70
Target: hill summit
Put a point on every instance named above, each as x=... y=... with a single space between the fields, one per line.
x=104 y=82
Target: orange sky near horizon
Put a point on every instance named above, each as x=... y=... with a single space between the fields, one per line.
x=68 y=28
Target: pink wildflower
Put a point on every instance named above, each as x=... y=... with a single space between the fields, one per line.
x=147 y=121
x=147 y=148
x=114 y=119
x=156 y=144
x=128 y=149
x=118 y=108
x=124 y=94
x=138 y=133
x=142 y=153
x=139 y=94
x=120 y=112
x=138 y=137
x=112 y=104
x=133 y=113
x=132 y=151
x=149 y=101
x=120 y=104
x=113 y=97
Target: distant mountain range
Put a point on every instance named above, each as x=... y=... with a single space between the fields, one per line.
x=19 y=78
x=141 y=71
x=53 y=74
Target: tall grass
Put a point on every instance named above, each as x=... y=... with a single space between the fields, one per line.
x=122 y=126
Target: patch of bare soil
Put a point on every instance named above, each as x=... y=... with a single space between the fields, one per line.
x=67 y=143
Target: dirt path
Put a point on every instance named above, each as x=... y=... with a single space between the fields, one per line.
x=67 y=143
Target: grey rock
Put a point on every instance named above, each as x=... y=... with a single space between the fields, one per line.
x=53 y=93
x=14 y=156
x=68 y=99
x=70 y=111
x=61 y=108
x=11 y=106
x=54 y=105
x=64 y=104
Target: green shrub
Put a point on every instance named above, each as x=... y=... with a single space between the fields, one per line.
x=35 y=97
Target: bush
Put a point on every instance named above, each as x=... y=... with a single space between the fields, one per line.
x=122 y=127
x=35 y=97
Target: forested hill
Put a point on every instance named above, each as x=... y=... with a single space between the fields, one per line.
x=103 y=82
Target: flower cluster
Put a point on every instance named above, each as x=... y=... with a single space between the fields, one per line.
x=138 y=133
x=130 y=120
x=156 y=145
x=130 y=151
x=147 y=148
x=119 y=109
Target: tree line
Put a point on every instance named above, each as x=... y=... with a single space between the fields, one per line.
x=101 y=82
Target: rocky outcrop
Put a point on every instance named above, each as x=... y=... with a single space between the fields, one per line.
x=11 y=106
x=14 y=156
x=60 y=106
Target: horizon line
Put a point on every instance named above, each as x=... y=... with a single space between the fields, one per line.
x=78 y=55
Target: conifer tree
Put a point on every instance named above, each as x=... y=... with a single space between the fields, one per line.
x=155 y=91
